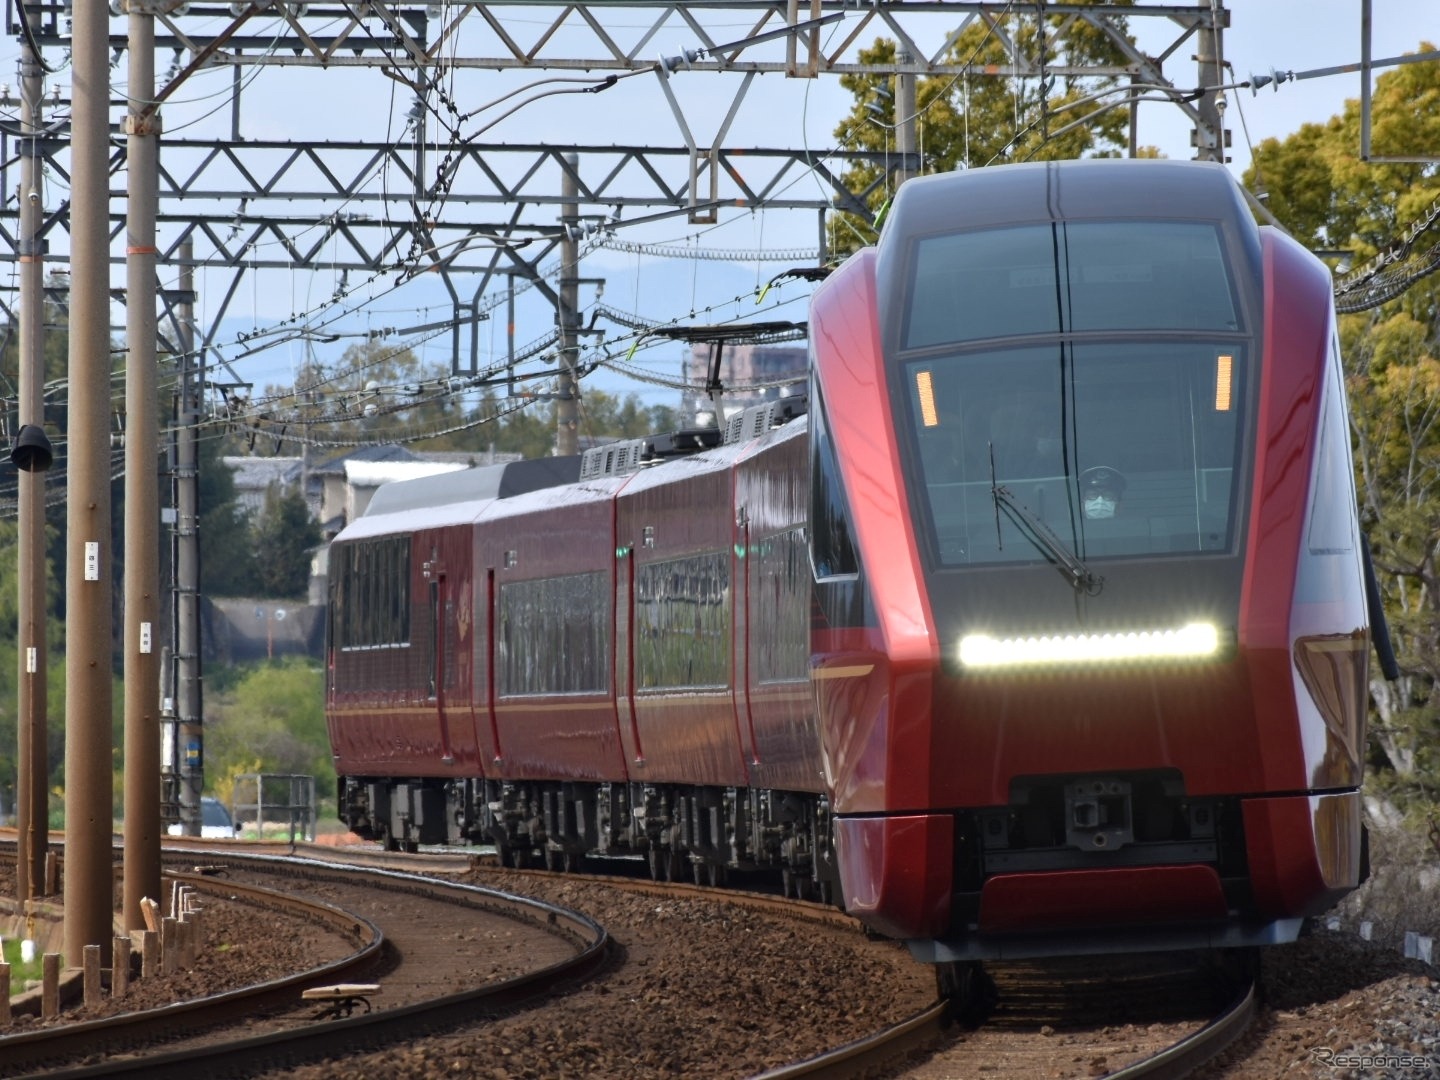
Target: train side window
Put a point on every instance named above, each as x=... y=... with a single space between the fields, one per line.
x=372 y=593
x=780 y=603
x=682 y=622
x=832 y=549
x=554 y=635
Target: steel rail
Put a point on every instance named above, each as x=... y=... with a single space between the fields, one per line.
x=1193 y=1051
x=885 y=1048
x=863 y=1055
x=315 y=1040
x=27 y=1049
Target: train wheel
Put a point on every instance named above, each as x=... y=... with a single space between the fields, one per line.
x=965 y=985
x=391 y=842
x=554 y=859
x=657 y=864
x=519 y=858
x=715 y=873
x=573 y=862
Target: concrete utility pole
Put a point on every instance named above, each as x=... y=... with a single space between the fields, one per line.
x=189 y=754
x=567 y=314
x=33 y=783
x=89 y=786
x=905 y=119
x=142 y=497
x=1211 y=138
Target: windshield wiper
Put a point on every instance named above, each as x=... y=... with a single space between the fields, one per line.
x=1082 y=579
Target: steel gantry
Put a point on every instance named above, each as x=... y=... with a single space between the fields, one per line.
x=255 y=204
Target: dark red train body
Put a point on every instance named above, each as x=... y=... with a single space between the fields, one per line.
x=1044 y=631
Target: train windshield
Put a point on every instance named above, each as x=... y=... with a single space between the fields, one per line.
x=1069 y=277
x=1121 y=448
x=1075 y=389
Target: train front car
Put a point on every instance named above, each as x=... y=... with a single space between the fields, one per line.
x=1091 y=644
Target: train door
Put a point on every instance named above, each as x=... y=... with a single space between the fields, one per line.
x=441 y=622
x=491 y=653
x=625 y=656
x=740 y=623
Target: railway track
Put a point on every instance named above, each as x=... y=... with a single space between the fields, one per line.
x=1216 y=1003
x=1034 y=999
x=277 y=1029
x=926 y=1035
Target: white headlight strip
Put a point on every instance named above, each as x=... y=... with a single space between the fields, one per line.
x=1194 y=641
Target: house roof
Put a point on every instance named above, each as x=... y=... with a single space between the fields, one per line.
x=252 y=473
x=375 y=473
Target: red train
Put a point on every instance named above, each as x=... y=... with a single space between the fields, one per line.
x=1044 y=630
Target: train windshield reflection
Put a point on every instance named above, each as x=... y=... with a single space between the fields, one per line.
x=1122 y=449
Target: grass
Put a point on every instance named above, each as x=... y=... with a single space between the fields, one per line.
x=21 y=973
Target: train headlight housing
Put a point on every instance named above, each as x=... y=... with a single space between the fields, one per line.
x=1196 y=641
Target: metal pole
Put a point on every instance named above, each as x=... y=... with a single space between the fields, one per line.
x=142 y=495
x=89 y=785
x=1365 y=69
x=905 y=118
x=33 y=783
x=1210 y=134
x=1134 y=147
x=189 y=705
x=568 y=313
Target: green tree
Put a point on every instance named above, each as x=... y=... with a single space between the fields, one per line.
x=227 y=555
x=974 y=121
x=1320 y=190
x=284 y=538
x=271 y=720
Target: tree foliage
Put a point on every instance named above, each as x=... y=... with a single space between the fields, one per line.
x=1319 y=189
x=271 y=720
x=976 y=120
x=284 y=535
x=227 y=554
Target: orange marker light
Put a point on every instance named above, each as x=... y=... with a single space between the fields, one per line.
x=925 y=388
x=1223 y=364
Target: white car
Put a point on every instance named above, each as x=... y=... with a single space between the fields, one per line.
x=215 y=821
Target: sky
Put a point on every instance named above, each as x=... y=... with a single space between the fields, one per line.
x=308 y=105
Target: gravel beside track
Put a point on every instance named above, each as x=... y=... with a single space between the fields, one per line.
x=705 y=988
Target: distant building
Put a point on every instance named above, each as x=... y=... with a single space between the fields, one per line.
x=338 y=489
x=743 y=365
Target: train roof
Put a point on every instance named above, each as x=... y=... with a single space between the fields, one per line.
x=473 y=485
x=1063 y=190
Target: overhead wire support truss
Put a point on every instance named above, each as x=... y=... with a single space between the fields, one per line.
x=225 y=195
x=578 y=37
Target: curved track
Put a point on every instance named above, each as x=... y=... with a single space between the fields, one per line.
x=886 y=1051
x=57 y=1049
x=1029 y=987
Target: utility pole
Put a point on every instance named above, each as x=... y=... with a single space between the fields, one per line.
x=89 y=785
x=142 y=495
x=32 y=816
x=905 y=119
x=189 y=754
x=568 y=312
x=1211 y=138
